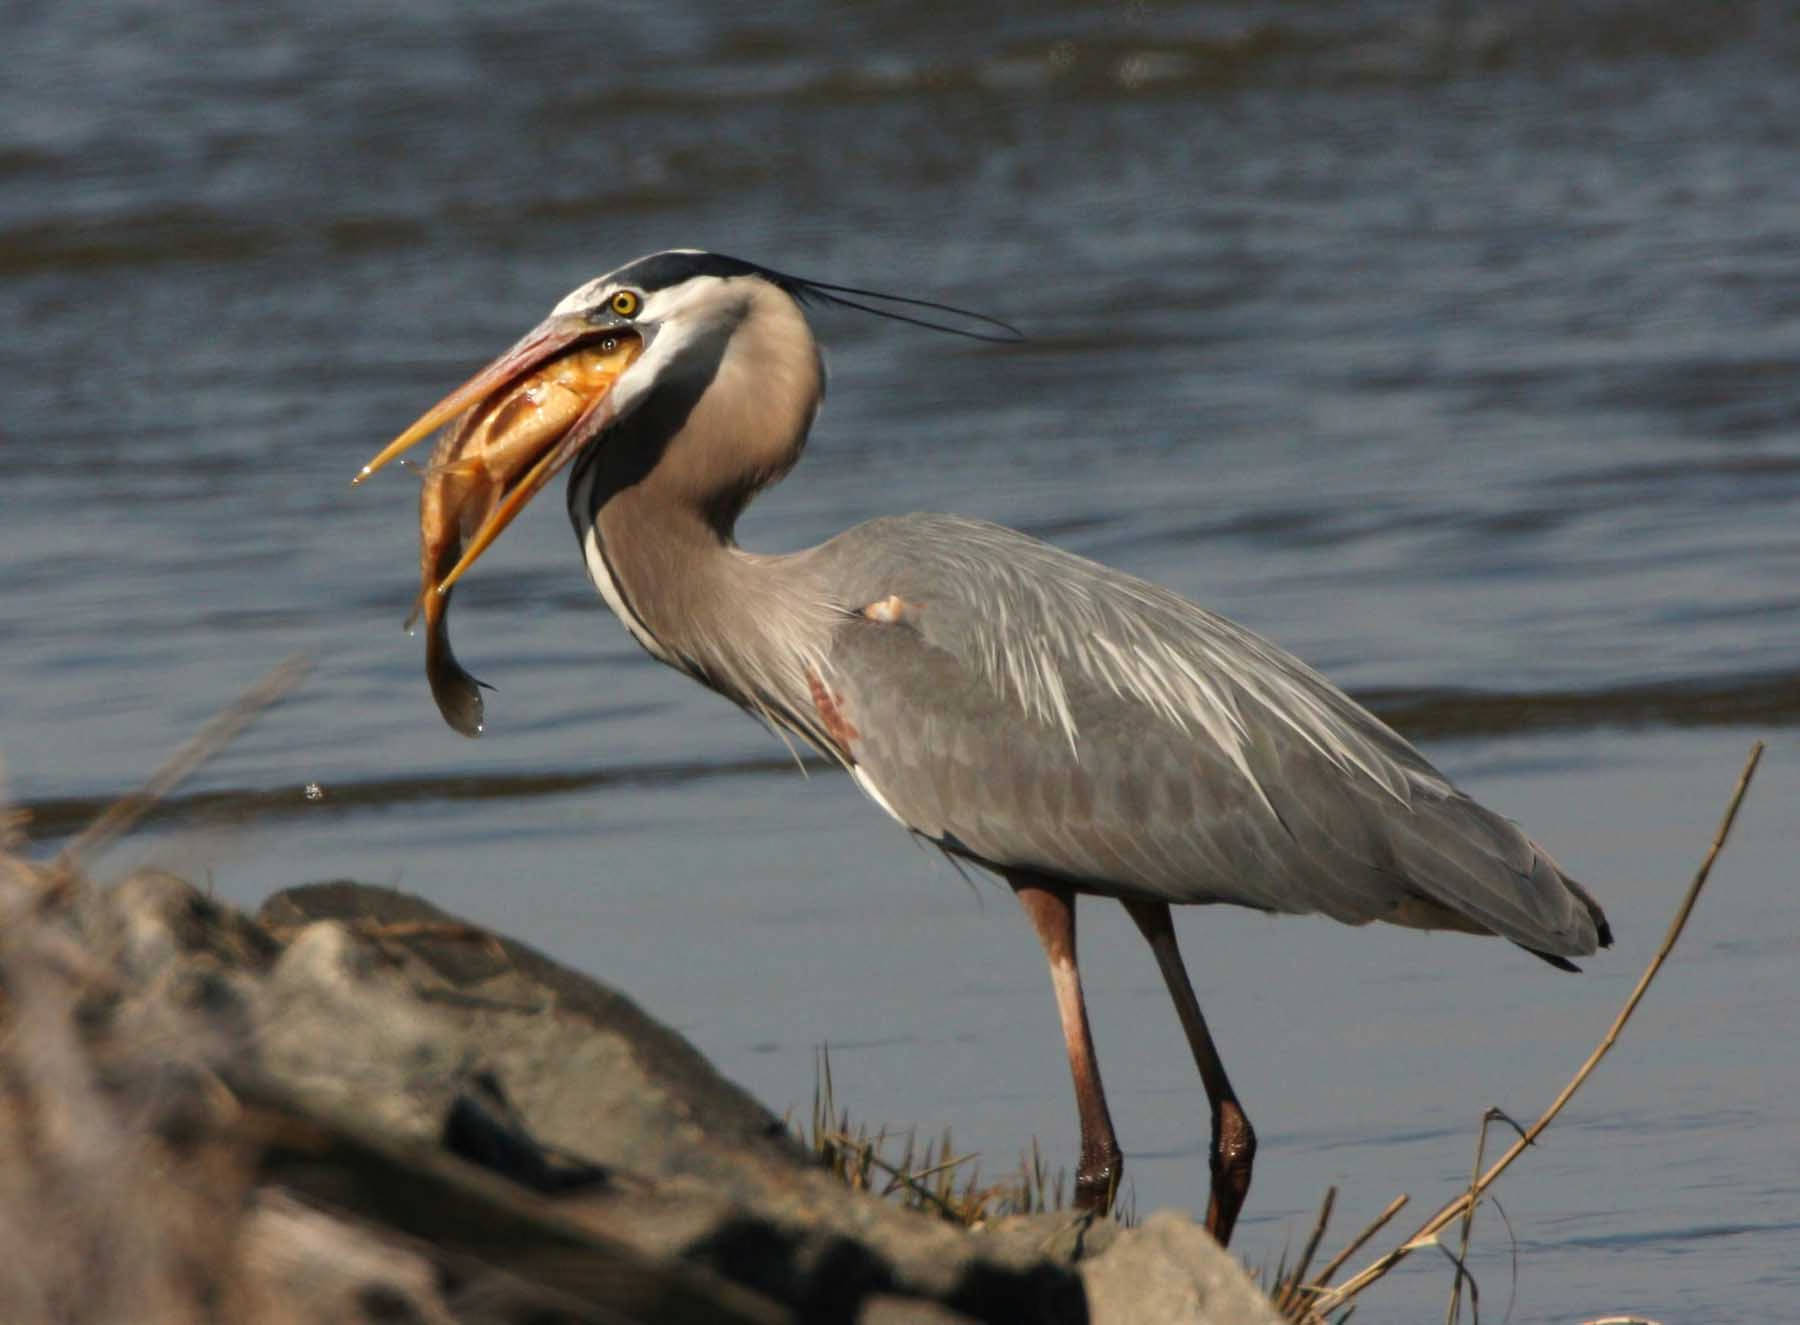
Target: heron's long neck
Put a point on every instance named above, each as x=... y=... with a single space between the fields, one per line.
x=749 y=626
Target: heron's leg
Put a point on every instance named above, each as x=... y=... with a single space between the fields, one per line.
x=1052 y=911
x=1233 y=1139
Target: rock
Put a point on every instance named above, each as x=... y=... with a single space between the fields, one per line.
x=884 y=1310
x=1170 y=1269
x=567 y=1049
x=730 y=1189
x=1064 y=1237
x=318 y=1270
x=356 y=1107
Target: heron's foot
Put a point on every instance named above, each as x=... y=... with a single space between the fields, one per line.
x=1233 y=1157
x=1097 y=1179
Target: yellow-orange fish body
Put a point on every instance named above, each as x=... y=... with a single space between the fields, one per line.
x=483 y=456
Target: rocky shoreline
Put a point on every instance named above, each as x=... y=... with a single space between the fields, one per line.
x=354 y=1107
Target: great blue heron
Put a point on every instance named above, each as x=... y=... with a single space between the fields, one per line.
x=1070 y=727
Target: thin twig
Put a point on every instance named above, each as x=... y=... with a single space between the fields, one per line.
x=118 y=818
x=1468 y=1217
x=1289 y=1286
x=1312 y=1243
x=1462 y=1273
x=1355 y=1245
x=1332 y=1298
x=1512 y=1238
x=865 y=1153
x=1461 y=1257
x=948 y=1165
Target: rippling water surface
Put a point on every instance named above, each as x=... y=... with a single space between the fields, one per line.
x=1457 y=348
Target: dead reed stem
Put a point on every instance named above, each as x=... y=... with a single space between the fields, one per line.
x=1290 y=1286
x=1329 y=1299
x=1374 y=1226
x=219 y=732
x=1312 y=1243
x=1468 y=1217
x=868 y=1153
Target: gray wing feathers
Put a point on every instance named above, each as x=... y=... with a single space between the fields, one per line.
x=1035 y=620
x=1039 y=710
x=1465 y=856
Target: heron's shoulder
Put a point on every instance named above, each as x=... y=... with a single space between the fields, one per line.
x=924 y=537
x=964 y=561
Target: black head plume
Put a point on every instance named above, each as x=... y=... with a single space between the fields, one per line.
x=661 y=270
x=822 y=292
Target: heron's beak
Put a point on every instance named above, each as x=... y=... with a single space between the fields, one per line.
x=519 y=421
x=542 y=342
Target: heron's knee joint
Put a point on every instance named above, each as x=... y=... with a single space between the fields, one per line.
x=1234 y=1142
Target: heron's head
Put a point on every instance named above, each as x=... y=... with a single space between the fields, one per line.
x=669 y=334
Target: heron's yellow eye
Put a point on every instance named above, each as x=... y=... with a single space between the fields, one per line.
x=626 y=303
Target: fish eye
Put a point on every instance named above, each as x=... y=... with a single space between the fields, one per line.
x=608 y=345
x=625 y=303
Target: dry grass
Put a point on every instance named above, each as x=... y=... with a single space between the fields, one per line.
x=1286 y=1284
x=930 y=1176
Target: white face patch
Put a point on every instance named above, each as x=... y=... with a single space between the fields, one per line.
x=692 y=306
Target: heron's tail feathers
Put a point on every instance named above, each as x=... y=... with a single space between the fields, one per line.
x=1472 y=861
x=1602 y=930
x=1582 y=895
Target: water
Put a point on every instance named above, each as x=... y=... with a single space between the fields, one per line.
x=1456 y=348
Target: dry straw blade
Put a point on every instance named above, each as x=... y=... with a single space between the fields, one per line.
x=119 y=818
x=1325 y=1299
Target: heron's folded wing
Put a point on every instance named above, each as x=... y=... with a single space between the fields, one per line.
x=1029 y=708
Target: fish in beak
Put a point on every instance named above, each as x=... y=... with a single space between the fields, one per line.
x=511 y=428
